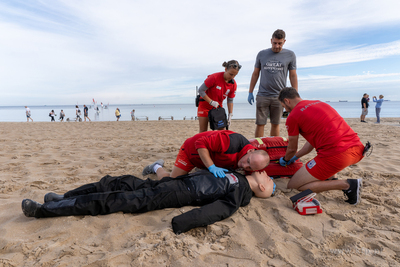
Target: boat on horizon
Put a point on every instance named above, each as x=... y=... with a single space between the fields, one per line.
x=343 y=101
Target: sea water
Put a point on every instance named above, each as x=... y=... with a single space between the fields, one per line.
x=351 y=109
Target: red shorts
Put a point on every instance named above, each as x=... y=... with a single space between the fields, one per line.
x=203 y=109
x=182 y=160
x=326 y=167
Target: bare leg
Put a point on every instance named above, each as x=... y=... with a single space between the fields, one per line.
x=203 y=124
x=274 y=130
x=303 y=180
x=259 y=131
x=161 y=172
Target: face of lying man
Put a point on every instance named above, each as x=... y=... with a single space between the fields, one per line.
x=265 y=184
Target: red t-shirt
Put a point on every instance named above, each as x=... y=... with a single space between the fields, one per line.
x=322 y=127
x=218 y=89
x=225 y=147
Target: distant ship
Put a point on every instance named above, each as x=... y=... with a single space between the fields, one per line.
x=342 y=100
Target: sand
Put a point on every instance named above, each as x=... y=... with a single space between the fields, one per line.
x=40 y=157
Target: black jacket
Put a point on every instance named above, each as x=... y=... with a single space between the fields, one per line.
x=219 y=198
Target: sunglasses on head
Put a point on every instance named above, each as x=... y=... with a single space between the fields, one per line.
x=235 y=66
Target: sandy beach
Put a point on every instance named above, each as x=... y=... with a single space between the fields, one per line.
x=40 y=157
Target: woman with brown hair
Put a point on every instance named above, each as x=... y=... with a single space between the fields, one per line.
x=215 y=89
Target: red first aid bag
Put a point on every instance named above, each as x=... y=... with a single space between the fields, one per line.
x=276 y=148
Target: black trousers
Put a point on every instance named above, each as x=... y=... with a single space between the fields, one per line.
x=127 y=193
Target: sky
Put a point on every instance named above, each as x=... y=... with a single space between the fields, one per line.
x=60 y=52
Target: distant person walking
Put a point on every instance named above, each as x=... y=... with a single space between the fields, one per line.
x=78 y=113
x=117 y=114
x=214 y=90
x=86 y=112
x=378 y=107
x=273 y=64
x=133 y=115
x=28 y=114
x=364 y=107
x=52 y=115
x=62 y=115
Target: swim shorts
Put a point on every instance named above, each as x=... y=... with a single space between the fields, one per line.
x=326 y=167
x=364 y=112
x=203 y=109
x=268 y=106
x=182 y=160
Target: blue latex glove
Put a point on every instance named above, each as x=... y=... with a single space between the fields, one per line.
x=283 y=162
x=292 y=160
x=218 y=172
x=250 y=98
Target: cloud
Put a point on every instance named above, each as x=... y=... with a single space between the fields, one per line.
x=349 y=55
x=349 y=87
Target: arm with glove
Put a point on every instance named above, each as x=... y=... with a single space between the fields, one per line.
x=291 y=150
x=253 y=81
x=207 y=161
x=230 y=111
x=307 y=148
x=202 y=91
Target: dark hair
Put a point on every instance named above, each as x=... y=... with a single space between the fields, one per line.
x=288 y=92
x=232 y=64
x=279 y=34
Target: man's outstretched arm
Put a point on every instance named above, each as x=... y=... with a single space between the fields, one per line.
x=204 y=215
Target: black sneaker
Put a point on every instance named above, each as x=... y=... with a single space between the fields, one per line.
x=31 y=208
x=149 y=168
x=52 y=196
x=353 y=193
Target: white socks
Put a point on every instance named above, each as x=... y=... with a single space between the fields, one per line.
x=156 y=167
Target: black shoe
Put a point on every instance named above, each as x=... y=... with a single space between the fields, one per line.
x=52 y=196
x=31 y=208
x=353 y=193
x=332 y=179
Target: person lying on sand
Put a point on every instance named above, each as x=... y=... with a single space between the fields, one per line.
x=218 y=198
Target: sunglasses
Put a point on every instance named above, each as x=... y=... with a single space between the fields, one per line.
x=273 y=190
x=235 y=66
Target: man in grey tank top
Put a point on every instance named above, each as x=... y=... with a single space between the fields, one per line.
x=273 y=64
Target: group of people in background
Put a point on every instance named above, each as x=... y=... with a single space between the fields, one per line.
x=365 y=105
x=118 y=114
x=78 y=114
